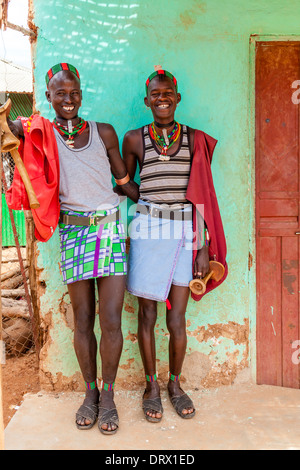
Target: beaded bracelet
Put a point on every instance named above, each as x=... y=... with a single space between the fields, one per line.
x=206 y=237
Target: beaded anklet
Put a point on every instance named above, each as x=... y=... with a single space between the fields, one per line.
x=107 y=387
x=175 y=378
x=151 y=378
x=91 y=385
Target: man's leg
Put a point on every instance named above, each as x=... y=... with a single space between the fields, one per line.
x=111 y=296
x=82 y=295
x=176 y=325
x=146 y=323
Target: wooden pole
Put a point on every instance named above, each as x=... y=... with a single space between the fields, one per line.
x=1 y=344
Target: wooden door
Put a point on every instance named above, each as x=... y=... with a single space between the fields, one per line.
x=277 y=212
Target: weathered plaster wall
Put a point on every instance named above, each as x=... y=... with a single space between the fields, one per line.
x=206 y=45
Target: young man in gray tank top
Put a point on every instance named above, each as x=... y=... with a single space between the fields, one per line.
x=161 y=146
x=88 y=154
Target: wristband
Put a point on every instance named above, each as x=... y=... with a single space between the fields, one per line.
x=122 y=181
x=206 y=237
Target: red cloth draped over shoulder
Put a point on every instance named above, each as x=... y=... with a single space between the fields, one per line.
x=201 y=191
x=39 y=152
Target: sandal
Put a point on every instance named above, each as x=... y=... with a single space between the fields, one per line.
x=152 y=404
x=108 y=416
x=183 y=402
x=89 y=412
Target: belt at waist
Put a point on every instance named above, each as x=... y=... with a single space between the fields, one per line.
x=91 y=220
x=163 y=213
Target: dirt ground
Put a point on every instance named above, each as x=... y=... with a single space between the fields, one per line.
x=19 y=376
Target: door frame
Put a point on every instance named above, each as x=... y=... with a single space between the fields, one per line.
x=253 y=40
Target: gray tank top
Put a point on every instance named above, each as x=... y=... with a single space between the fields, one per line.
x=85 y=175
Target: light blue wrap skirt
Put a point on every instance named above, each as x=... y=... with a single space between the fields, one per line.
x=160 y=254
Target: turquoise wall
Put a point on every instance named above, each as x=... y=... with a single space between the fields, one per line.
x=206 y=45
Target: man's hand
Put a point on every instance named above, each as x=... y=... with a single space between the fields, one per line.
x=201 y=266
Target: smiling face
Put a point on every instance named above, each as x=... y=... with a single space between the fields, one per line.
x=162 y=98
x=64 y=94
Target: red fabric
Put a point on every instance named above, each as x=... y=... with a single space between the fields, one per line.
x=40 y=156
x=201 y=191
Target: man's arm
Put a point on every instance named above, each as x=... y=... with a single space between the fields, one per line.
x=118 y=167
x=201 y=264
x=132 y=151
x=202 y=259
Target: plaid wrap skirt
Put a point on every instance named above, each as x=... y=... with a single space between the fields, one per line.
x=93 y=251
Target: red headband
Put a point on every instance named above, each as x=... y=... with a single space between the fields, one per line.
x=161 y=72
x=58 y=68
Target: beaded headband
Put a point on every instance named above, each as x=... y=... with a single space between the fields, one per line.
x=161 y=72
x=58 y=68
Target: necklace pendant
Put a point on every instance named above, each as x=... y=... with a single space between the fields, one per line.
x=164 y=158
x=70 y=126
x=70 y=143
x=166 y=138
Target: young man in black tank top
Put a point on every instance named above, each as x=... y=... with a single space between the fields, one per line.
x=65 y=95
x=162 y=98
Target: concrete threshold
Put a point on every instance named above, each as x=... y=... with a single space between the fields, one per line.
x=237 y=417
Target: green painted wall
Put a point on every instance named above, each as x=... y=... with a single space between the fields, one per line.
x=206 y=45
x=8 y=238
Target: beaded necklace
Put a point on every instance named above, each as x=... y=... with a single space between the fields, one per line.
x=166 y=140
x=70 y=130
